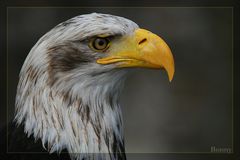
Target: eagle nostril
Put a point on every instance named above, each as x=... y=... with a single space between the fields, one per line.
x=142 y=41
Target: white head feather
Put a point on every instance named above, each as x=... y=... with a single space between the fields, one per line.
x=68 y=100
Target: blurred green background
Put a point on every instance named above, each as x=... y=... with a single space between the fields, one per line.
x=190 y=114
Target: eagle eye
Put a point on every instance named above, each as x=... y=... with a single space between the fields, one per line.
x=100 y=43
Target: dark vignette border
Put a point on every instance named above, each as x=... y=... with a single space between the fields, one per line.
x=140 y=3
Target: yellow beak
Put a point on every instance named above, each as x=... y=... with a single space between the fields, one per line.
x=142 y=49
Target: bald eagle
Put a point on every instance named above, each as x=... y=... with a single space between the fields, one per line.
x=69 y=85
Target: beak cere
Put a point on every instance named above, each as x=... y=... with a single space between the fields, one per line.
x=142 y=49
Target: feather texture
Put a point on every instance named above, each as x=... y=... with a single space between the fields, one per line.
x=67 y=100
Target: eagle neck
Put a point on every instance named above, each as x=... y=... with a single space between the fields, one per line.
x=104 y=117
x=84 y=119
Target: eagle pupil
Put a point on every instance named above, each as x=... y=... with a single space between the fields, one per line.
x=101 y=42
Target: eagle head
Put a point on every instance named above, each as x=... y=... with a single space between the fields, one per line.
x=70 y=83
